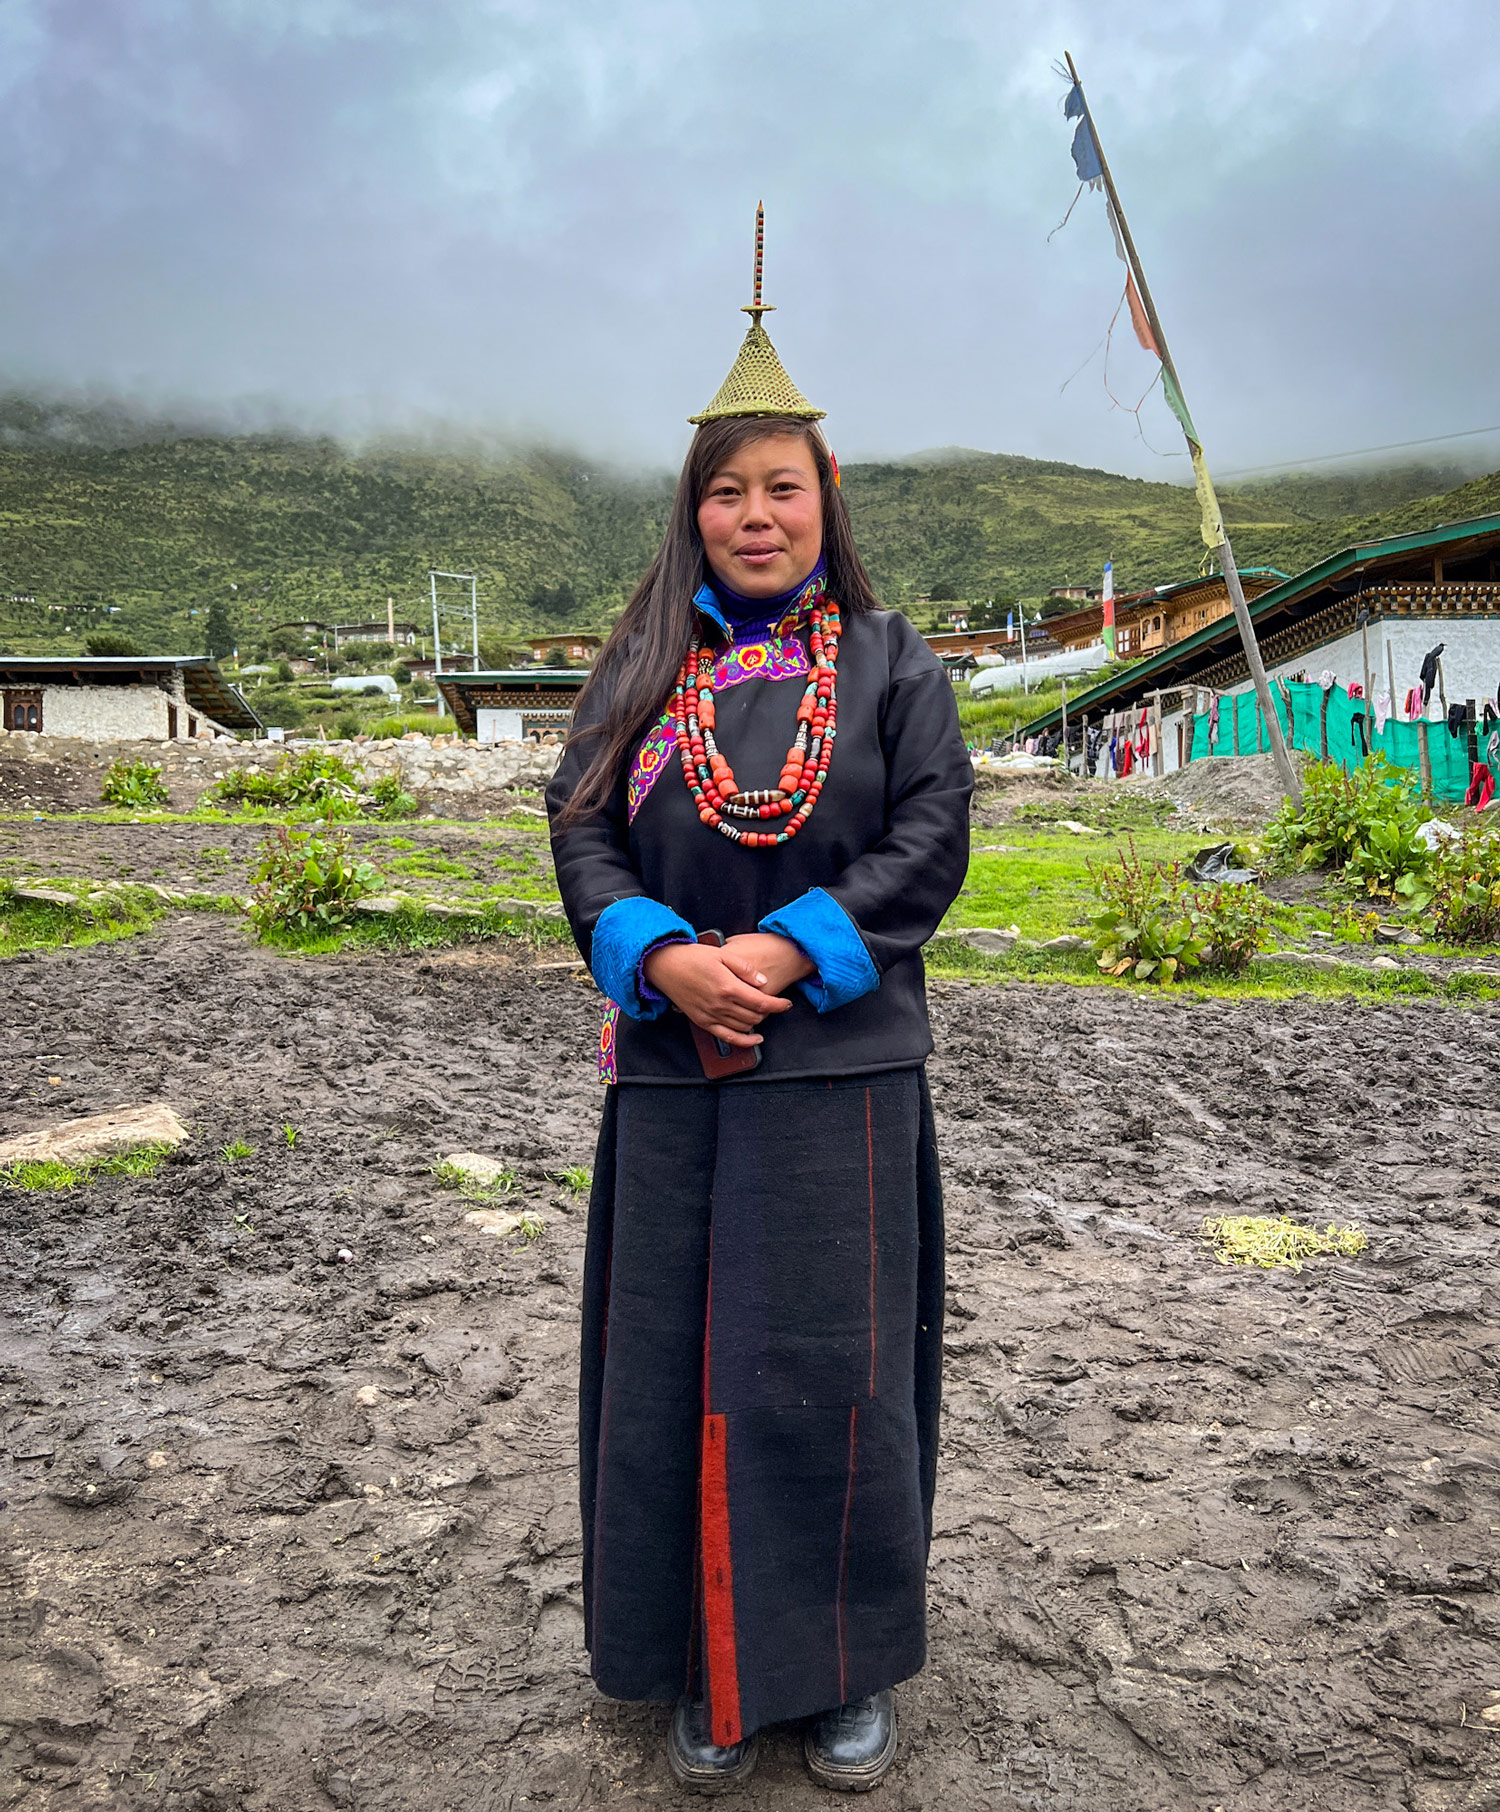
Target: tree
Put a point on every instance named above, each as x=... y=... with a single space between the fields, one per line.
x=109 y=641
x=556 y=657
x=554 y=600
x=219 y=636
x=990 y=613
x=944 y=592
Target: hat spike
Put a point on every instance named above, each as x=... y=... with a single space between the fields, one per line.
x=757 y=383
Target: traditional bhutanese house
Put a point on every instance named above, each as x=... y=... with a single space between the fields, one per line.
x=959 y=649
x=577 y=645
x=510 y=706
x=1367 y=615
x=378 y=629
x=1148 y=621
x=105 y=698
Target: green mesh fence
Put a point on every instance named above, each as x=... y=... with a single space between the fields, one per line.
x=1350 y=732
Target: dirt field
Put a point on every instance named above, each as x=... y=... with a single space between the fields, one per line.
x=285 y=1530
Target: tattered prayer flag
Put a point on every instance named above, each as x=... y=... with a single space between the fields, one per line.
x=1109 y=608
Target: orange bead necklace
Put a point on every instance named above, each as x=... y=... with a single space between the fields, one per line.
x=709 y=776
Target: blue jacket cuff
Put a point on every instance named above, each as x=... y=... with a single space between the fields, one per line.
x=624 y=936
x=830 y=940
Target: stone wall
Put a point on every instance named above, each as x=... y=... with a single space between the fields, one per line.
x=432 y=767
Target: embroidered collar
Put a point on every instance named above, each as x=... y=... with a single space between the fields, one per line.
x=738 y=618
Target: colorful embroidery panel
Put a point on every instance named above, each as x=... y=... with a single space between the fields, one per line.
x=607 y=1042
x=782 y=657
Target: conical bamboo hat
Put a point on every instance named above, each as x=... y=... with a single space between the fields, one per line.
x=757 y=383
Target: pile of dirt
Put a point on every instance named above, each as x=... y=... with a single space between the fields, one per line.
x=290 y=1467
x=1225 y=789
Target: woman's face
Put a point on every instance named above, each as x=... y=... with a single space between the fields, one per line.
x=761 y=517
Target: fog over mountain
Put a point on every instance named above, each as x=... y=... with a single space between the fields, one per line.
x=503 y=219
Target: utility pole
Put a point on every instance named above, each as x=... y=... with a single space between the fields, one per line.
x=1207 y=497
x=460 y=613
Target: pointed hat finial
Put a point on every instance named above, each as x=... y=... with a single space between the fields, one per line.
x=757 y=383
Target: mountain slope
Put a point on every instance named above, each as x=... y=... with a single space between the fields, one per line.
x=98 y=510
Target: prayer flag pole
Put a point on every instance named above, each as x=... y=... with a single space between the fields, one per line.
x=1215 y=535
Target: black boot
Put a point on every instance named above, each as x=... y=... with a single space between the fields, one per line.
x=697 y=1760
x=851 y=1747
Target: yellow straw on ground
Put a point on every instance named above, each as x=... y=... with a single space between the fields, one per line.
x=1277 y=1243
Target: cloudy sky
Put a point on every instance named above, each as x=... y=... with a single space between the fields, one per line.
x=533 y=217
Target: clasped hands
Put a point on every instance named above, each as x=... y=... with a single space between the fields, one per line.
x=729 y=989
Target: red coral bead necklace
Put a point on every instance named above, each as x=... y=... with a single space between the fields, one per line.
x=710 y=779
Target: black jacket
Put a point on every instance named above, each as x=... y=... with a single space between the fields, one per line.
x=863 y=885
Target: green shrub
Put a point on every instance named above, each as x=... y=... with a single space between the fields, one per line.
x=307 y=881
x=1339 y=810
x=281 y=710
x=1466 y=889
x=134 y=785
x=110 y=641
x=316 y=777
x=1146 y=927
x=284 y=672
x=1233 y=922
x=389 y=801
x=347 y=726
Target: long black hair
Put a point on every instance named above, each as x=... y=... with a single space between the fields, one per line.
x=637 y=667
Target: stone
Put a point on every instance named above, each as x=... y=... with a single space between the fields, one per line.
x=1067 y=945
x=517 y=909
x=100 y=898
x=989 y=939
x=440 y=909
x=1385 y=962
x=97 y=1135
x=476 y=1167
x=44 y=896
x=1077 y=829
x=499 y=1221
x=383 y=905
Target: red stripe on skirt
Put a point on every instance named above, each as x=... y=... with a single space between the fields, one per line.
x=718 y=1588
x=870 y=1172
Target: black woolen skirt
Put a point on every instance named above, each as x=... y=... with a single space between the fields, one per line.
x=762 y=1349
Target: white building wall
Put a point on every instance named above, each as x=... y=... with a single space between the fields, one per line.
x=1471 y=656
x=107 y=713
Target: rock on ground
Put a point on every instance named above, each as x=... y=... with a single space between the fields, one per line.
x=97 y=1135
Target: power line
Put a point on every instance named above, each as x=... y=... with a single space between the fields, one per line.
x=1392 y=446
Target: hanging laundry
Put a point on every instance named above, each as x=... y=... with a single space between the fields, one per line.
x=1326 y=680
x=1457 y=716
x=1382 y=712
x=1213 y=718
x=1357 y=733
x=1412 y=709
x=1428 y=677
x=1481 y=787
x=1355 y=689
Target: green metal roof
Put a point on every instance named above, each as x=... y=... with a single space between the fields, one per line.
x=1126 y=680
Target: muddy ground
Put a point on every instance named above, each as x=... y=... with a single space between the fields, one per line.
x=284 y=1531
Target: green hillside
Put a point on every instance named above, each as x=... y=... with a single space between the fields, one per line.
x=98 y=510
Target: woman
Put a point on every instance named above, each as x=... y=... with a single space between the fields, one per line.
x=763 y=1282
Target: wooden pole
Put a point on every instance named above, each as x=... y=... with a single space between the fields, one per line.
x=1323 y=724
x=1067 y=759
x=1390 y=668
x=1424 y=758
x=1231 y=572
x=1158 y=761
x=1189 y=726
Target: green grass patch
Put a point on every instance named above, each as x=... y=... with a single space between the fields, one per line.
x=1042 y=882
x=56 y=1173
x=33 y=926
x=413 y=929
x=429 y=867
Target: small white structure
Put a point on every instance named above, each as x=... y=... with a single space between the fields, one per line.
x=367 y=682
x=1008 y=678
x=107 y=698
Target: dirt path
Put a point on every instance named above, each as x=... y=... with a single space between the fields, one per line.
x=285 y=1531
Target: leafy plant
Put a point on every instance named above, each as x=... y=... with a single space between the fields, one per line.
x=134 y=785
x=236 y=1149
x=1233 y=922
x=454 y=1176
x=316 y=777
x=1146 y=927
x=306 y=881
x=390 y=801
x=291 y=1134
x=1393 y=862
x=577 y=1177
x=1466 y=889
x=1276 y=1243
x=1340 y=810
